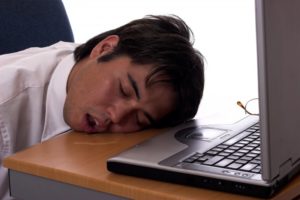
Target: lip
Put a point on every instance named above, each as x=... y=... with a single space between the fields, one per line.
x=91 y=124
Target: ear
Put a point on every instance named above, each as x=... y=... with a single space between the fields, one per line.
x=105 y=46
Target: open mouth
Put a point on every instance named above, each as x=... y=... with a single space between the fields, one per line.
x=92 y=122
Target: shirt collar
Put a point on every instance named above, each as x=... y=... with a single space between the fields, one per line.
x=56 y=96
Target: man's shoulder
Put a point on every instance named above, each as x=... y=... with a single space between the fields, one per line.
x=67 y=45
x=30 y=69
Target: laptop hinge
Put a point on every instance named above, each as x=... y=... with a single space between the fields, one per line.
x=285 y=167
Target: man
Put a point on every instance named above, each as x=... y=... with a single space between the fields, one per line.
x=141 y=75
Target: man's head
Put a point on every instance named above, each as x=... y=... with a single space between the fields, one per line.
x=143 y=74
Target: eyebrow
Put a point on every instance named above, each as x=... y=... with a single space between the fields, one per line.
x=135 y=87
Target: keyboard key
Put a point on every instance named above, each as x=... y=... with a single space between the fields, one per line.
x=246 y=158
x=256 y=170
x=234 y=148
x=248 y=148
x=234 y=139
x=244 y=142
x=210 y=152
x=229 y=151
x=253 y=137
x=217 y=149
x=224 y=154
x=203 y=158
x=224 y=162
x=238 y=154
x=248 y=166
x=256 y=152
x=213 y=160
x=251 y=155
x=222 y=146
x=241 y=161
x=248 y=139
x=255 y=161
x=233 y=157
x=256 y=142
x=239 y=145
x=234 y=165
x=193 y=158
x=253 y=145
x=243 y=151
x=189 y=160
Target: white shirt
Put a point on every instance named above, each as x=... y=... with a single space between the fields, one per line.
x=32 y=95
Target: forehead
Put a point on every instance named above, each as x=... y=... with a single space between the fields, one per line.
x=160 y=100
x=152 y=75
x=156 y=98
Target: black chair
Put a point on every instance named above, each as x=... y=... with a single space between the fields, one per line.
x=32 y=23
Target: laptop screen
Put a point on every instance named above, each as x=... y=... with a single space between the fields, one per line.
x=278 y=27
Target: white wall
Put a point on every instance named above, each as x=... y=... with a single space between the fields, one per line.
x=224 y=33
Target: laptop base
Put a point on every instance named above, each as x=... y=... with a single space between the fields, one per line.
x=199 y=181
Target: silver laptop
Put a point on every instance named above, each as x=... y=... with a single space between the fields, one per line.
x=254 y=156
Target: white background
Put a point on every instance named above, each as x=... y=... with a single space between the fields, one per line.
x=224 y=33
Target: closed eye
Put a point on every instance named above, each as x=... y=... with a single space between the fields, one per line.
x=122 y=91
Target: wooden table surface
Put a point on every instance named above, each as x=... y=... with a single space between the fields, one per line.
x=80 y=159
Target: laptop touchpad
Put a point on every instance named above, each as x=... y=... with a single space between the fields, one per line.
x=197 y=133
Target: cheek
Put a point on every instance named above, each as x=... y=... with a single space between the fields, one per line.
x=96 y=92
x=103 y=92
x=88 y=95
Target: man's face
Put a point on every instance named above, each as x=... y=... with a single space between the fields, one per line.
x=112 y=97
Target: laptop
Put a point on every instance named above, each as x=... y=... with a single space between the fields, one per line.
x=256 y=155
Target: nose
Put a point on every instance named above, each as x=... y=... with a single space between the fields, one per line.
x=121 y=111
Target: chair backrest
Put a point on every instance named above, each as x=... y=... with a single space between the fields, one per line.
x=32 y=23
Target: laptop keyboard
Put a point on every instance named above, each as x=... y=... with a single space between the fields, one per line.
x=236 y=153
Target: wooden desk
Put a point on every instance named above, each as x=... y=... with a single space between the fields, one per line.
x=73 y=166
